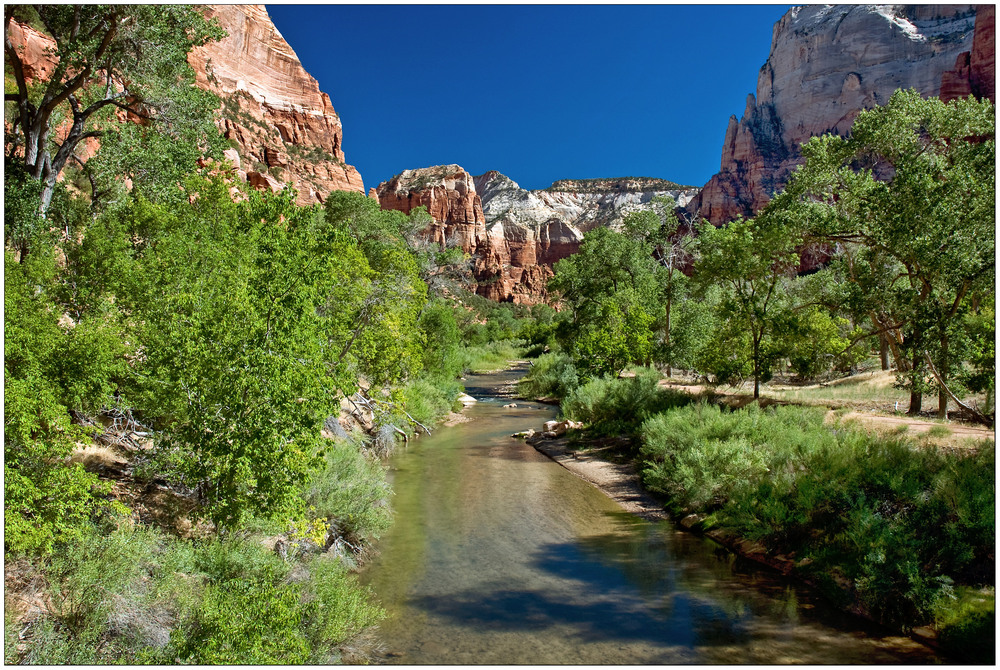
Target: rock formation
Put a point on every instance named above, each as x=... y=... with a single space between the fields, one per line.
x=284 y=126
x=449 y=194
x=975 y=71
x=515 y=235
x=827 y=63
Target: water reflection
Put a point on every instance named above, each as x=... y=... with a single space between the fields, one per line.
x=498 y=555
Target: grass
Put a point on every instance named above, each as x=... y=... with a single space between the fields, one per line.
x=862 y=388
x=491 y=357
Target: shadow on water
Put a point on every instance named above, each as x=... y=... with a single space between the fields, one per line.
x=498 y=555
x=685 y=622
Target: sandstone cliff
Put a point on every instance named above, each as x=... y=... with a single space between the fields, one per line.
x=975 y=71
x=449 y=194
x=285 y=128
x=826 y=64
x=517 y=235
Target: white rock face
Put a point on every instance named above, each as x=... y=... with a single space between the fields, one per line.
x=827 y=63
x=510 y=206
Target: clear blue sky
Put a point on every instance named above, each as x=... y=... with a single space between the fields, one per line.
x=537 y=92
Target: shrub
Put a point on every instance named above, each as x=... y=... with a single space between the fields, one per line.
x=351 y=490
x=551 y=376
x=427 y=400
x=612 y=405
x=903 y=522
x=245 y=620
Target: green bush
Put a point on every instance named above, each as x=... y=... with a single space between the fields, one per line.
x=352 y=490
x=903 y=522
x=245 y=620
x=551 y=376
x=273 y=616
x=135 y=595
x=101 y=605
x=613 y=405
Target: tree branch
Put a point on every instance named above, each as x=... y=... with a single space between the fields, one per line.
x=976 y=414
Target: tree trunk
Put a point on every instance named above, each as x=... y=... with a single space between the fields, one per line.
x=756 y=368
x=916 y=396
x=667 y=339
x=883 y=350
x=942 y=367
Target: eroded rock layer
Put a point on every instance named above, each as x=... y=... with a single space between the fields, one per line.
x=827 y=63
x=516 y=235
x=285 y=127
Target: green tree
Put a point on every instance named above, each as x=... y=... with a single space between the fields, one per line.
x=111 y=58
x=385 y=341
x=674 y=249
x=751 y=262
x=46 y=373
x=914 y=185
x=612 y=287
x=233 y=307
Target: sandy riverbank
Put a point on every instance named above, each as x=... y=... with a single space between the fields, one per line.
x=618 y=481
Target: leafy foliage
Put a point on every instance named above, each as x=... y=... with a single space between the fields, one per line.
x=903 y=522
x=109 y=58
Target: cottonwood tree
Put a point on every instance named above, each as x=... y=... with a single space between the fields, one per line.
x=110 y=61
x=673 y=248
x=751 y=263
x=914 y=186
x=612 y=287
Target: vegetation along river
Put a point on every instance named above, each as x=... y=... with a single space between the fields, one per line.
x=500 y=556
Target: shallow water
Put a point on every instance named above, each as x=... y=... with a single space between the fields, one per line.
x=500 y=556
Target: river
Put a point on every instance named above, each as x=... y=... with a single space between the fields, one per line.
x=498 y=555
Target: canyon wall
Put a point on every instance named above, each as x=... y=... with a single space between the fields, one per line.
x=516 y=235
x=284 y=127
x=827 y=63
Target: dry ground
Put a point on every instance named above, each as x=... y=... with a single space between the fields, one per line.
x=867 y=400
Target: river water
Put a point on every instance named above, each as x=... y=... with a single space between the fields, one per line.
x=498 y=555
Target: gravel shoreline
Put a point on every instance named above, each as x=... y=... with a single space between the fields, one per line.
x=618 y=481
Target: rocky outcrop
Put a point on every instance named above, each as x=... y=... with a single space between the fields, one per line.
x=285 y=128
x=529 y=231
x=515 y=235
x=975 y=71
x=449 y=194
x=827 y=63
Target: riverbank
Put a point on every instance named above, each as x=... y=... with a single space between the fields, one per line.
x=622 y=483
x=618 y=481
x=890 y=528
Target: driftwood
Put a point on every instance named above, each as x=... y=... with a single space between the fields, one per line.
x=372 y=405
x=976 y=414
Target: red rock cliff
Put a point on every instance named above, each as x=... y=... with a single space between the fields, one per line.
x=515 y=235
x=975 y=71
x=284 y=126
x=449 y=194
x=827 y=63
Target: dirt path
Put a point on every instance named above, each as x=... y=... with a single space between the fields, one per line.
x=959 y=432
